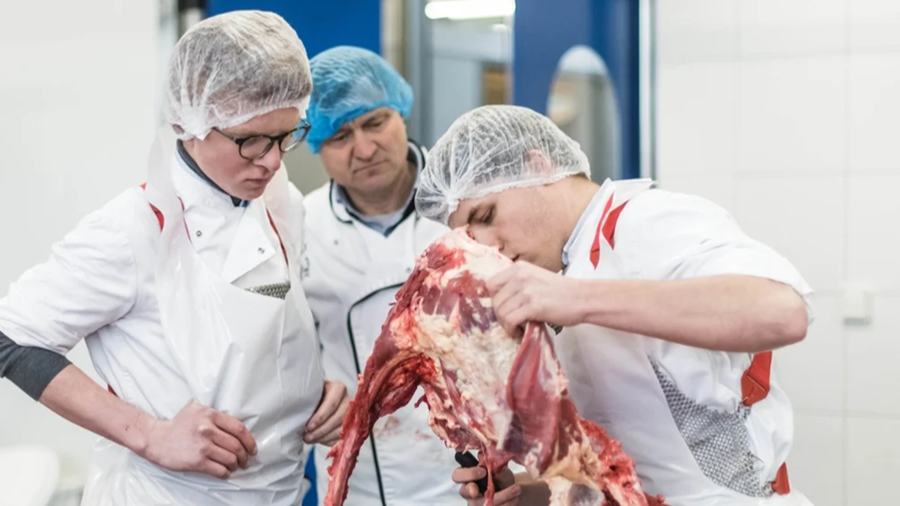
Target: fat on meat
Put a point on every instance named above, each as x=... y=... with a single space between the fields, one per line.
x=502 y=396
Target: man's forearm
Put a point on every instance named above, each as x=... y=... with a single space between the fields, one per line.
x=77 y=398
x=725 y=313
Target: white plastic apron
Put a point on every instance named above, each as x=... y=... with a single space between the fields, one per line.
x=250 y=356
x=612 y=383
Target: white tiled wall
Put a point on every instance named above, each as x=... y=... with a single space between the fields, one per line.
x=874 y=112
x=790 y=115
x=873 y=460
x=790 y=27
x=787 y=113
x=873 y=208
x=873 y=24
x=684 y=36
x=817 y=386
x=817 y=462
x=705 y=92
x=872 y=372
x=801 y=216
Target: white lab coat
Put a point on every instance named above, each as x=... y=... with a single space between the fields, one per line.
x=102 y=284
x=676 y=409
x=352 y=275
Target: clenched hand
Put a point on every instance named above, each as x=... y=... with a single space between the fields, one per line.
x=526 y=292
x=200 y=439
x=325 y=425
x=506 y=493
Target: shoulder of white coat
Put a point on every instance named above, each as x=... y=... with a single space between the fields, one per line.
x=294 y=194
x=111 y=235
x=122 y=213
x=317 y=205
x=299 y=222
x=97 y=262
x=296 y=200
x=662 y=208
x=626 y=189
x=318 y=198
x=657 y=224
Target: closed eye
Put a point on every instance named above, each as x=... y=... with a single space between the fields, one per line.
x=487 y=217
x=339 y=136
x=374 y=123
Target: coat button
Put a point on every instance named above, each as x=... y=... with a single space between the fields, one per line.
x=199 y=233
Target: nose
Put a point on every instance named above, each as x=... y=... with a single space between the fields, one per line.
x=364 y=148
x=271 y=160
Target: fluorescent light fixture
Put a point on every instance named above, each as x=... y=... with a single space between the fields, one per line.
x=469 y=9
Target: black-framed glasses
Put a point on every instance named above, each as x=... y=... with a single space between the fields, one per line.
x=257 y=146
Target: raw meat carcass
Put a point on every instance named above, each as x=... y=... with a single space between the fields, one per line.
x=485 y=390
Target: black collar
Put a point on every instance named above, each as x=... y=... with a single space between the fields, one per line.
x=197 y=170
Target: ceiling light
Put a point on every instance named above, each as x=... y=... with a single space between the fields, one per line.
x=469 y=9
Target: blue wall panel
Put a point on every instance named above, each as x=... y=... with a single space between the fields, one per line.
x=321 y=24
x=546 y=29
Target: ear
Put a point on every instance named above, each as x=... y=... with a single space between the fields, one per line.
x=460 y=216
x=188 y=143
x=455 y=219
x=538 y=162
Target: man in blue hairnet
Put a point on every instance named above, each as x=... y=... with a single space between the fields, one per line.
x=363 y=237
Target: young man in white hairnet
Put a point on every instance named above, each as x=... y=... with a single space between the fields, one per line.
x=187 y=293
x=669 y=312
x=363 y=236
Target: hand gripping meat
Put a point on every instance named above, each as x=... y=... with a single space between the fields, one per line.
x=485 y=390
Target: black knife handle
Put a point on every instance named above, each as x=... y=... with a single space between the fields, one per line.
x=469 y=460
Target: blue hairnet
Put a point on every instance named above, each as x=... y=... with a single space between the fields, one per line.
x=347 y=83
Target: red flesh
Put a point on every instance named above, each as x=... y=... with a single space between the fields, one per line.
x=544 y=432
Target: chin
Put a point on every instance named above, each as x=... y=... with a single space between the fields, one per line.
x=549 y=265
x=249 y=194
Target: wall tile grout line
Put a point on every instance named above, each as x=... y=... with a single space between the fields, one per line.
x=795 y=173
x=737 y=90
x=767 y=57
x=845 y=359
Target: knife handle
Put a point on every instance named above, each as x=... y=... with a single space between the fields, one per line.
x=469 y=460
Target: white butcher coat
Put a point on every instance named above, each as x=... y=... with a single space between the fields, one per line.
x=677 y=410
x=252 y=356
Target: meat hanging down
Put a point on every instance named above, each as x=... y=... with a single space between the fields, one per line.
x=485 y=390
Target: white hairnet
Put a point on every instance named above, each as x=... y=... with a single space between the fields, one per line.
x=230 y=68
x=491 y=149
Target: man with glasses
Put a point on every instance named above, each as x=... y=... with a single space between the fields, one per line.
x=363 y=236
x=252 y=148
x=255 y=147
x=187 y=292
